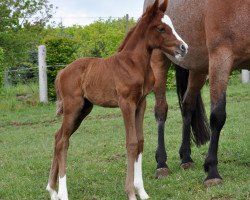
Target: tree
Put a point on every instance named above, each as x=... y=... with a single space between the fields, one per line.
x=21 y=27
x=16 y=14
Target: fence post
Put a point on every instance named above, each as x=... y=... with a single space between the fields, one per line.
x=127 y=21
x=245 y=76
x=43 y=85
x=6 y=79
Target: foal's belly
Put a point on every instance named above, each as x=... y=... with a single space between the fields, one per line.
x=99 y=89
x=104 y=98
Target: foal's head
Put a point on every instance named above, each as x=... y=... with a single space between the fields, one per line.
x=160 y=32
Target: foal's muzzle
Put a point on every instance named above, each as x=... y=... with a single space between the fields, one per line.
x=181 y=51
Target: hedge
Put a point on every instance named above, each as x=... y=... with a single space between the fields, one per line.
x=60 y=52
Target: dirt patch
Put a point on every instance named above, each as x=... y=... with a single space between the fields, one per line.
x=116 y=157
x=18 y=124
x=222 y=197
x=106 y=116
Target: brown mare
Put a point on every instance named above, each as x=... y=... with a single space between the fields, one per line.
x=219 y=41
x=122 y=80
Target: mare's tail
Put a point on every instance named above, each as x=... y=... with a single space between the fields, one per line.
x=199 y=122
x=59 y=102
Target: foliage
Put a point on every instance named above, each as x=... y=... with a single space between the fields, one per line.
x=22 y=25
x=171 y=83
x=60 y=51
x=1 y=68
x=99 y=39
x=102 y=38
x=16 y=14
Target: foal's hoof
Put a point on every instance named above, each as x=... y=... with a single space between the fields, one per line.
x=162 y=172
x=188 y=165
x=212 y=182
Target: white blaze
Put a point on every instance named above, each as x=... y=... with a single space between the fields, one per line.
x=166 y=19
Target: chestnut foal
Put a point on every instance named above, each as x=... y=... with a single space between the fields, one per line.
x=123 y=80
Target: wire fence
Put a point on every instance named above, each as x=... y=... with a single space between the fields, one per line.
x=25 y=75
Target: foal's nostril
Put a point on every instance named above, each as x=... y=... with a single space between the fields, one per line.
x=183 y=48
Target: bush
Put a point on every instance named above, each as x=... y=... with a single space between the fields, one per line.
x=60 y=51
x=171 y=82
x=1 y=68
x=101 y=38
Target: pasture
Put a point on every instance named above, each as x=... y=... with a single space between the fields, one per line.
x=97 y=154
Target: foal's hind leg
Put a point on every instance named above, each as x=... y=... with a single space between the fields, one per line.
x=195 y=83
x=160 y=65
x=75 y=110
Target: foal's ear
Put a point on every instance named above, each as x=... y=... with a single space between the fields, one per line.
x=163 y=6
x=153 y=9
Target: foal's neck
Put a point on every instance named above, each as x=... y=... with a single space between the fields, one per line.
x=137 y=45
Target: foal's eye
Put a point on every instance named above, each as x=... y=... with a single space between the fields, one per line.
x=161 y=30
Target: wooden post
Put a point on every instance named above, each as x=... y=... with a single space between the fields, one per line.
x=245 y=76
x=43 y=85
x=6 y=79
x=127 y=26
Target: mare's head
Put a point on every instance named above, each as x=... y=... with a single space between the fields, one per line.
x=160 y=32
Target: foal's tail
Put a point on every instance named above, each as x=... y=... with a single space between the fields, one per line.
x=59 y=102
x=199 y=121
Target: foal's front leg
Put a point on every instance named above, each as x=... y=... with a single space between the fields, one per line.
x=128 y=109
x=138 y=180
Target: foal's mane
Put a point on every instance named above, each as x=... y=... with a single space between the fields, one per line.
x=142 y=23
x=131 y=31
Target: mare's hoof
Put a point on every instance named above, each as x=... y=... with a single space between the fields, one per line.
x=188 y=165
x=212 y=182
x=162 y=172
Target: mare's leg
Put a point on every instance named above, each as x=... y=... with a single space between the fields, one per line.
x=220 y=64
x=128 y=109
x=75 y=110
x=195 y=83
x=138 y=180
x=160 y=65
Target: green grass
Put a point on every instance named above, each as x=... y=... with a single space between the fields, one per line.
x=97 y=156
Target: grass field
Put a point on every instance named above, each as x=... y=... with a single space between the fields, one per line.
x=97 y=155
